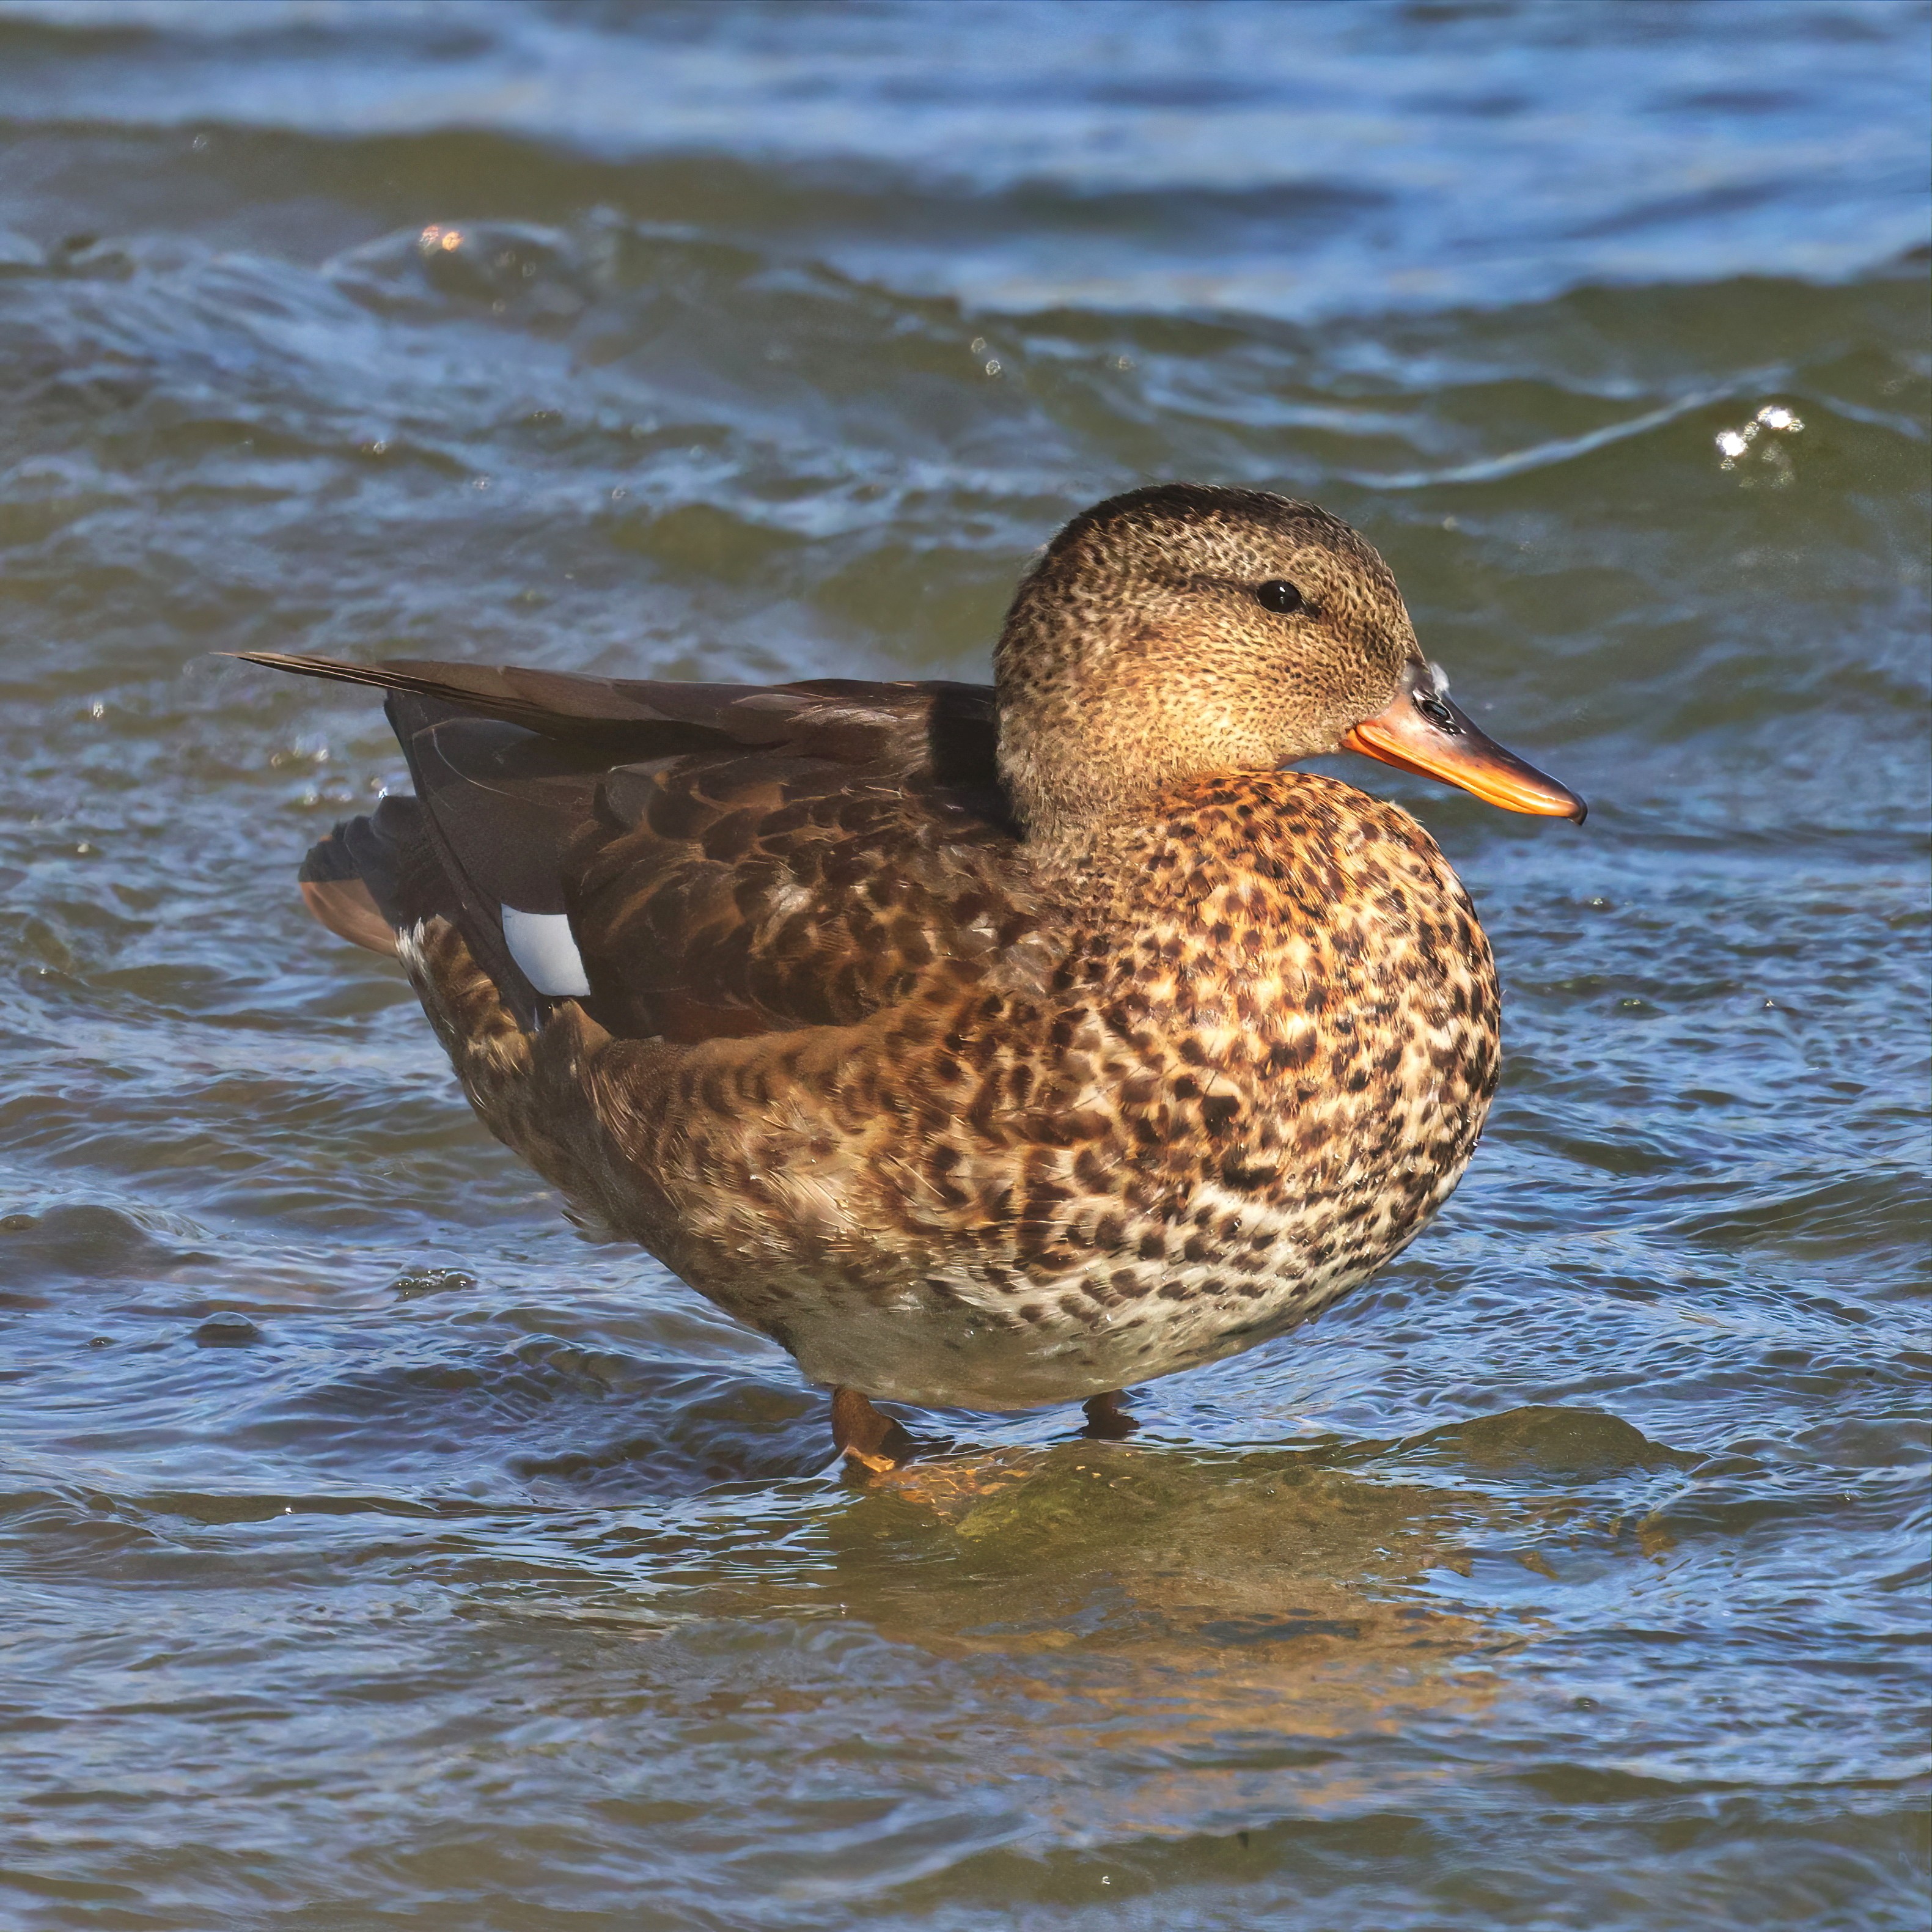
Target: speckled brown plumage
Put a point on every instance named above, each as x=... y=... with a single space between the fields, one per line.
x=983 y=1051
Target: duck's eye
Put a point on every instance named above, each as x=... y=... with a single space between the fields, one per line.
x=1278 y=596
x=1438 y=713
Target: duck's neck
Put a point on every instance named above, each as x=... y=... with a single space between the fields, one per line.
x=1210 y=826
x=1084 y=770
x=1099 y=720
x=1076 y=803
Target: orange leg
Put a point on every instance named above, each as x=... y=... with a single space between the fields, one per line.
x=873 y=1440
x=1107 y=1421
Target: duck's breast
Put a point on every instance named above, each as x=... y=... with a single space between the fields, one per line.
x=1317 y=1002
x=1280 y=1049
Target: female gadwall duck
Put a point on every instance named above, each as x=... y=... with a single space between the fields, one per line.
x=985 y=1048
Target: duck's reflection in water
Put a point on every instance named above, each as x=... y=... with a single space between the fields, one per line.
x=1167 y=1603
x=1034 y=1650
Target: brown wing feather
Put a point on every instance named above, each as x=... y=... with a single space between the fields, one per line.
x=850 y=719
x=737 y=894
x=751 y=858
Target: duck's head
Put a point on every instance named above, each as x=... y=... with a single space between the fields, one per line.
x=1180 y=631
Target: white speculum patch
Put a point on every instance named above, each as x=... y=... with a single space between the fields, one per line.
x=543 y=946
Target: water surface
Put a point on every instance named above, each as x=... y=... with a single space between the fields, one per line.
x=378 y=1551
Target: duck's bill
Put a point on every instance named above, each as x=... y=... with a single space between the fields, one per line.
x=1422 y=731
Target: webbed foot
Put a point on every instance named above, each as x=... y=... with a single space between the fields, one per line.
x=864 y=1436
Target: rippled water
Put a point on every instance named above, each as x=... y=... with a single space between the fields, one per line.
x=379 y=1551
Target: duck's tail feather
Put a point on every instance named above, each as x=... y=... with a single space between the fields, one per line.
x=337 y=896
x=480 y=845
x=505 y=764
x=375 y=877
